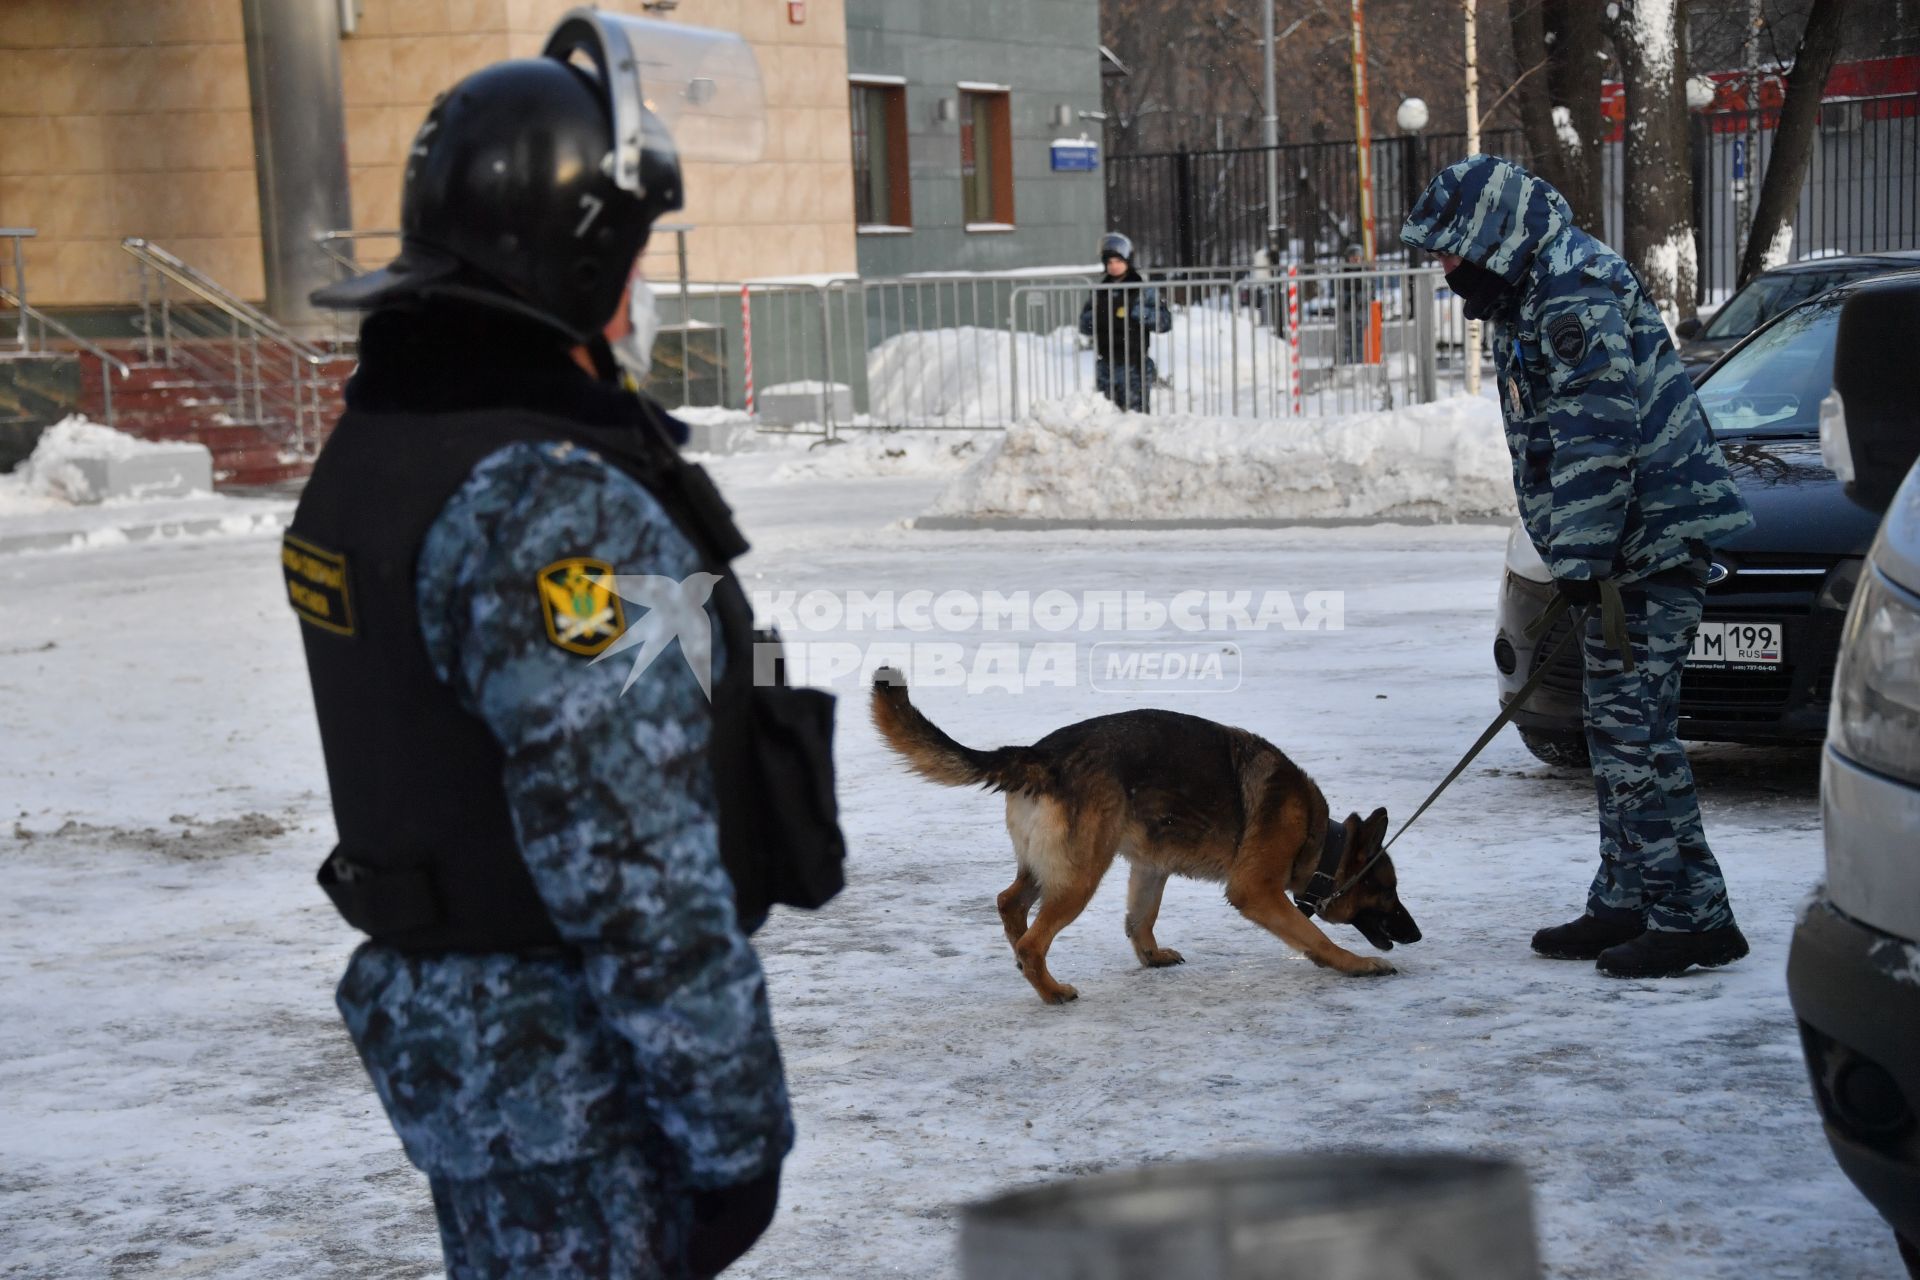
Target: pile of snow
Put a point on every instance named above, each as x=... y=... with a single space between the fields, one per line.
x=1080 y=459
x=712 y=416
x=52 y=477
x=891 y=453
x=1213 y=360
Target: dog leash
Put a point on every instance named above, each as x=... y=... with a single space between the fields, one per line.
x=1613 y=623
x=1613 y=629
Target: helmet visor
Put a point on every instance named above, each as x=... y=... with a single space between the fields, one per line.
x=678 y=92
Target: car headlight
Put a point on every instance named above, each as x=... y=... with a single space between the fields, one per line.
x=1836 y=451
x=1875 y=720
x=1523 y=561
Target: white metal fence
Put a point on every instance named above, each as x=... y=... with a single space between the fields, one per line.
x=972 y=352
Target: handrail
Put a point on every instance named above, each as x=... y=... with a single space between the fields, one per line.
x=46 y=321
x=17 y=234
x=324 y=241
x=261 y=370
x=189 y=278
x=107 y=360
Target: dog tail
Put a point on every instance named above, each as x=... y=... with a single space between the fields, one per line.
x=932 y=754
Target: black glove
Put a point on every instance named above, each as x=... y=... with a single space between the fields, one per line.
x=1579 y=591
x=727 y=1220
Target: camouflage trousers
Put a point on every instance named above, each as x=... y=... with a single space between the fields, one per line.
x=1129 y=385
x=1654 y=858
x=604 y=1217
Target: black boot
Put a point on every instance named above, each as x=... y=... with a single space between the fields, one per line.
x=1660 y=953
x=1587 y=937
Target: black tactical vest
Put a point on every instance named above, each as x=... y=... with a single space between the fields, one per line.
x=427 y=859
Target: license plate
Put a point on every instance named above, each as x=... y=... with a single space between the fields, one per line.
x=1737 y=644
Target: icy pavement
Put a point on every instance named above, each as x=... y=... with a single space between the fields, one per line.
x=177 y=1099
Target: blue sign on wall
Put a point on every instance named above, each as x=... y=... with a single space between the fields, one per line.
x=1075 y=157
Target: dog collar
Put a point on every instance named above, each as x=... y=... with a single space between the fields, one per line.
x=1320 y=889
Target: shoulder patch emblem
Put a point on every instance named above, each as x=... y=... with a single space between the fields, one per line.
x=317 y=586
x=1568 y=338
x=581 y=607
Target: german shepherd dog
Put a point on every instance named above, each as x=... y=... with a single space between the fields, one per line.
x=1175 y=795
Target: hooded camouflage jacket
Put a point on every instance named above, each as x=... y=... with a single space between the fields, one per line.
x=1613 y=463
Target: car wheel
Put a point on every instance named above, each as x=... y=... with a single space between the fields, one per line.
x=1557 y=747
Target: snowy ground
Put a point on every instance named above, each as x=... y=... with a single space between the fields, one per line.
x=177 y=1099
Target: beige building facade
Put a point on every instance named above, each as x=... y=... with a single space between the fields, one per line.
x=134 y=118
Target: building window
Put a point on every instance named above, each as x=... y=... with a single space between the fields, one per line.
x=986 y=158
x=880 y=191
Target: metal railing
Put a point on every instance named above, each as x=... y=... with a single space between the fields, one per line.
x=978 y=352
x=337 y=247
x=261 y=372
x=1311 y=344
x=1858 y=195
x=30 y=316
x=19 y=236
x=819 y=356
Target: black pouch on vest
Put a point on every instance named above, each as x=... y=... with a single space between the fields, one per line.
x=793 y=752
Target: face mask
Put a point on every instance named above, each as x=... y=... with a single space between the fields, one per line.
x=1483 y=292
x=634 y=352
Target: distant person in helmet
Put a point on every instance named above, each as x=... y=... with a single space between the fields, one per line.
x=558 y=1004
x=1121 y=316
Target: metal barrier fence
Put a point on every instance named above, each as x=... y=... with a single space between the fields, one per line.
x=1312 y=343
x=977 y=352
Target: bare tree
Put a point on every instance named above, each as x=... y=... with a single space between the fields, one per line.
x=1196 y=69
x=1659 y=183
x=1560 y=47
x=1793 y=139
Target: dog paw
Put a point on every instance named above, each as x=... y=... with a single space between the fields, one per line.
x=1161 y=958
x=1370 y=967
x=1061 y=994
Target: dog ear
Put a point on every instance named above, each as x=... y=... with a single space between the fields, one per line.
x=1350 y=832
x=1375 y=829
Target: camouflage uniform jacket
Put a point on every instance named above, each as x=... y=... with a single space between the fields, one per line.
x=655 y=1035
x=1613 y=463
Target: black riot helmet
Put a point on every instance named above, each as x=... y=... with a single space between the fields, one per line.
x=1115 y=245
x=532 y=184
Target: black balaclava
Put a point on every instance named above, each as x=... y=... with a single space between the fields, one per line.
x=1483 y=292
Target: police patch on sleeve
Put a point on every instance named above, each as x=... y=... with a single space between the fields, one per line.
x=1568 y=338
x=581 y=607
x=317 y=585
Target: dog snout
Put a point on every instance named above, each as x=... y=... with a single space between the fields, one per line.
x=1401 y=927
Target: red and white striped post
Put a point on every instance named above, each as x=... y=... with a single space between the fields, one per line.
x=746 y=341
x=1293 y=331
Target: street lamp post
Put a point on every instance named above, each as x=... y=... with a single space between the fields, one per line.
x=1473 y=149
x=1270 y=133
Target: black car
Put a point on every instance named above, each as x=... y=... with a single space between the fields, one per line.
x=1771 y=292
x=1762 y=664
